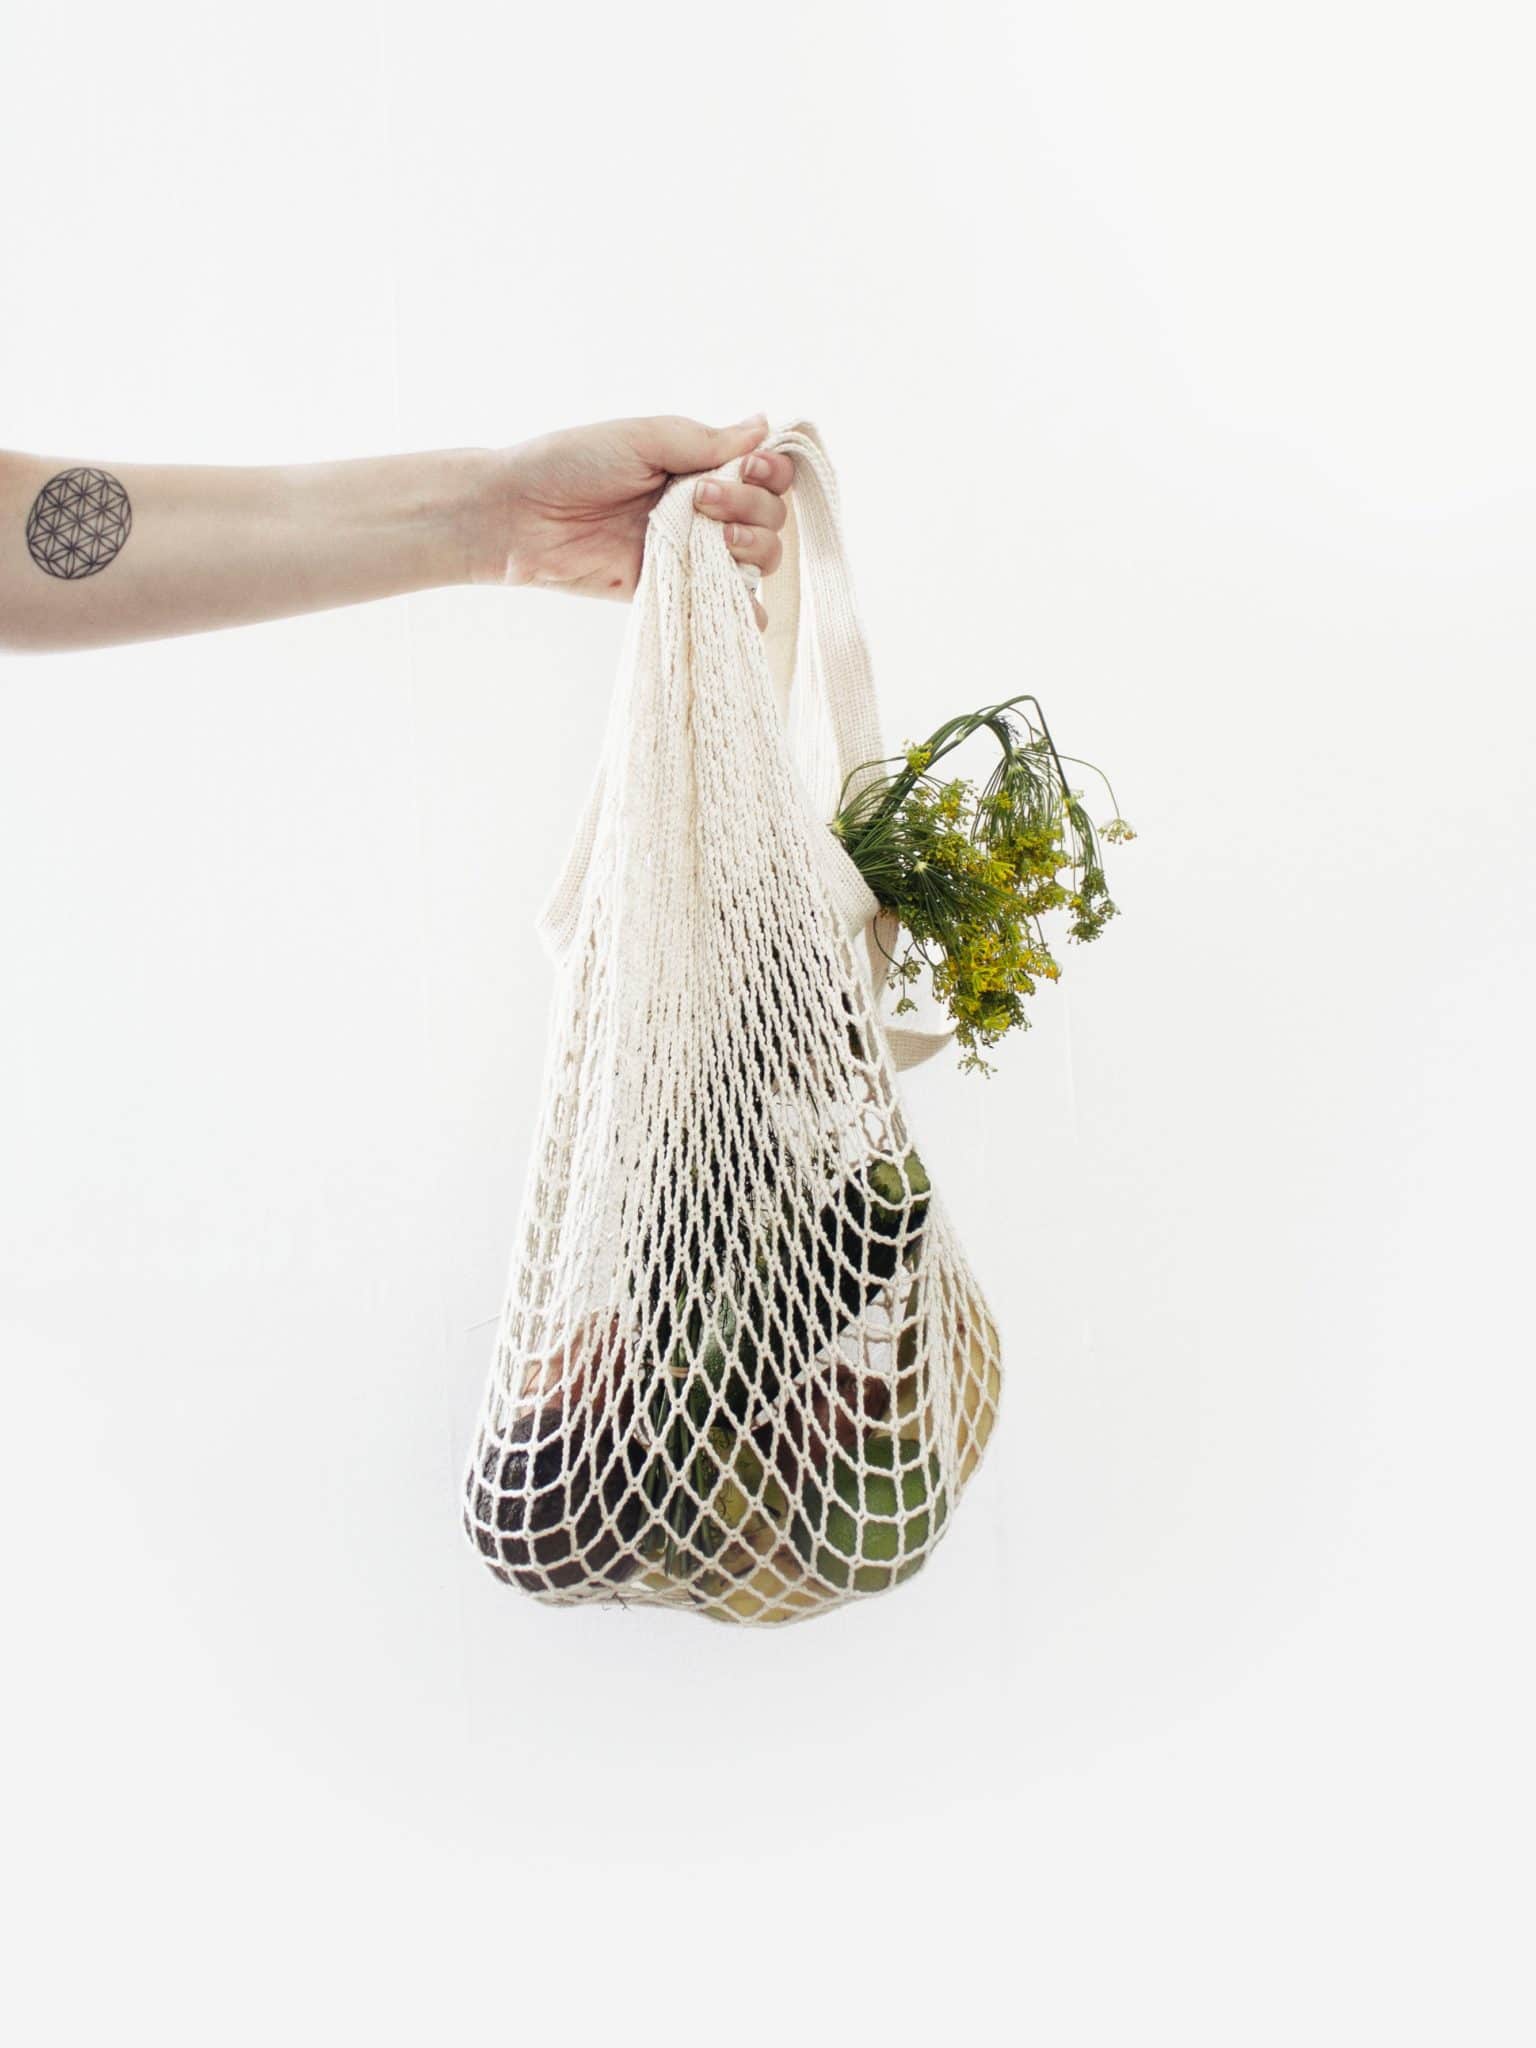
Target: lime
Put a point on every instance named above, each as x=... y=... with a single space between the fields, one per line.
x=872 y=1530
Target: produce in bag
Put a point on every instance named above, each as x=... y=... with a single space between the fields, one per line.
x=743 y=1366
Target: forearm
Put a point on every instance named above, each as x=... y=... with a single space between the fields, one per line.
x=156 y=550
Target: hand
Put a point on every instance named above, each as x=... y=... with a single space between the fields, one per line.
x=567 y=511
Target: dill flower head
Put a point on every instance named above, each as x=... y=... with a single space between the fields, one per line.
x=970 y=873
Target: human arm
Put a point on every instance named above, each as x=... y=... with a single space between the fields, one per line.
x=95 y=553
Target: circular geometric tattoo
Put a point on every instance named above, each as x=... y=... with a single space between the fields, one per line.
x=78 y=522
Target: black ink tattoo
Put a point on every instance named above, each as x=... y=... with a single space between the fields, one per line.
x=78 y=523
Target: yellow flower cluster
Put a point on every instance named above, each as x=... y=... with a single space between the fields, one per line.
x=971 y=875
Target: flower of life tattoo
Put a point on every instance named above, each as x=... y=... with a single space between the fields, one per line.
x=78 y=523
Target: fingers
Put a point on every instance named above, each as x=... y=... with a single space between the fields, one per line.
x=680 y=445
x=752 y=514
x=774 y=472
x=749 y=504
x=755 y=544
x=751 y=511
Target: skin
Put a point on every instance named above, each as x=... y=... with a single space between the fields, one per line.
x=208 y=547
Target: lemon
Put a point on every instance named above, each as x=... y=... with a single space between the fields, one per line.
x=776 y=1591
x=980 y=1388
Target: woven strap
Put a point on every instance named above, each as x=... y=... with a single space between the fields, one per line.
x=841 y=672
x=814 y=570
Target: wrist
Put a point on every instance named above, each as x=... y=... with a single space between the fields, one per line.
x=492 y=526
x=455 y=515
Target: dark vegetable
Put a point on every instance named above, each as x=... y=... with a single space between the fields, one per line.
x=552 y=1509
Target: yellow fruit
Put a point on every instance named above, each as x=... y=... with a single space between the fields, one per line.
x=775 y=1592
x=979 y=1389
x=758 y=1534
x=979 y=1378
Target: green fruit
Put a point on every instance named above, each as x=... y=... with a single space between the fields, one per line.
x=896 y=1186
x=900 y=1500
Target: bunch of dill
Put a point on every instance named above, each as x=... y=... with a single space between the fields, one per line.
x=971 y=874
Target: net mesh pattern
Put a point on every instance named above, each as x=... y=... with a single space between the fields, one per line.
x=742 y=1366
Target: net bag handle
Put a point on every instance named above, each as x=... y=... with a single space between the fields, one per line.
x=814 y=569
x=816 y=564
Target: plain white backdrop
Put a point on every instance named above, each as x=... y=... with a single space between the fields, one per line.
x=1177 y=365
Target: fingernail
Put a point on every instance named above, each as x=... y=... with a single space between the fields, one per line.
x=708 y=493
x=758 y=419
x=755 y=465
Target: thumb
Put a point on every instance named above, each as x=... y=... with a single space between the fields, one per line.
x=682 y=445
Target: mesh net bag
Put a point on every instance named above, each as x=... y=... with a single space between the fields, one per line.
x=742 y=1365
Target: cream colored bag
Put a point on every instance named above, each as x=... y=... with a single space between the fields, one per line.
x=743 y=1365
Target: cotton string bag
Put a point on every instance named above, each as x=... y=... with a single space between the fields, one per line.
x=742 y=1365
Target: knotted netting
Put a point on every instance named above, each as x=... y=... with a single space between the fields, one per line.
x=742 y=1365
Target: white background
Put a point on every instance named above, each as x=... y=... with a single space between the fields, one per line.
x=1177 y=364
